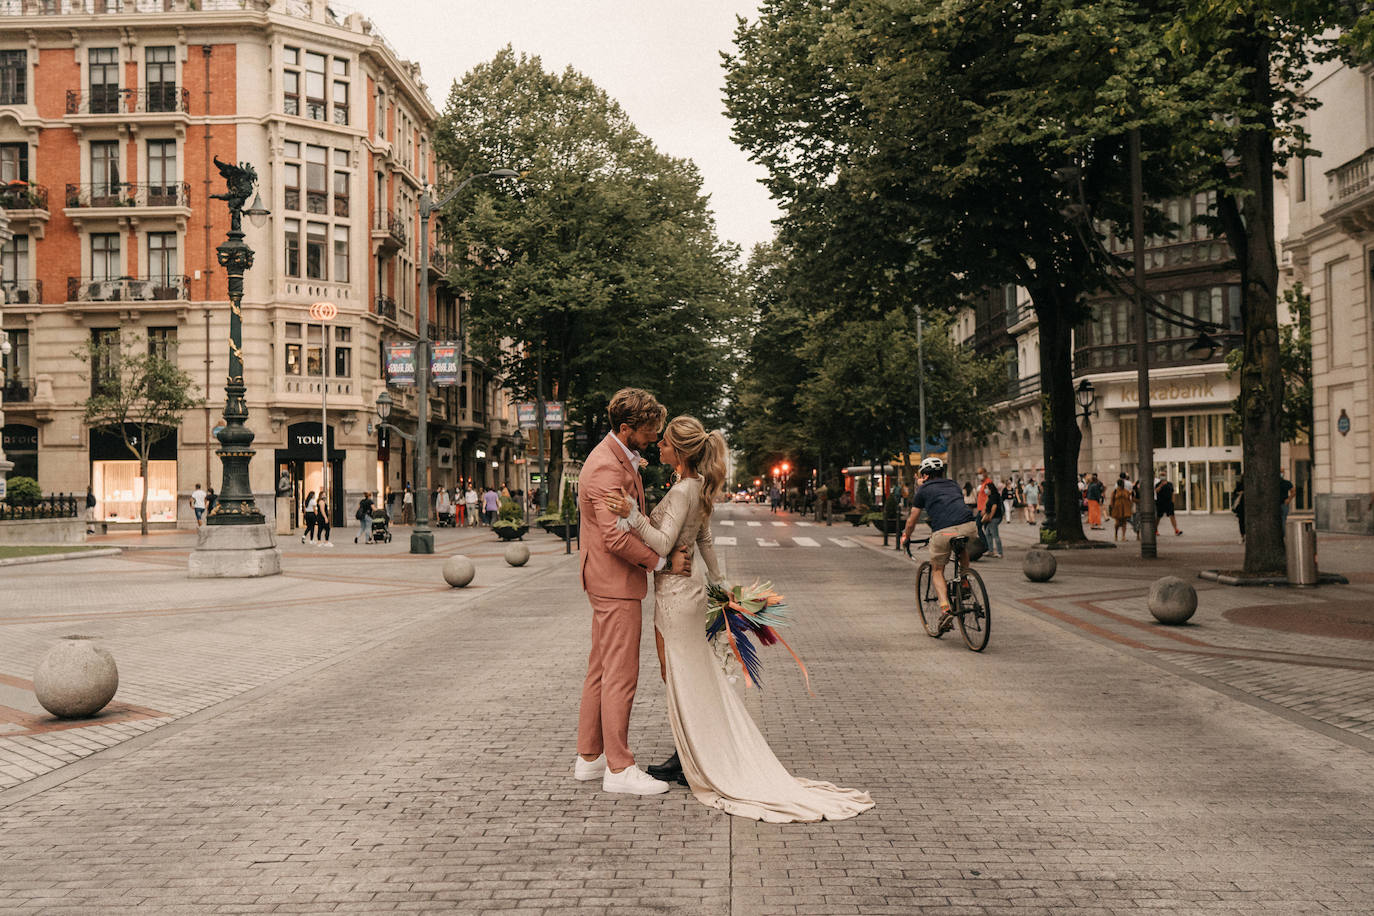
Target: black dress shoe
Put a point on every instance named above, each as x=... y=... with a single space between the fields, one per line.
x=669 y=770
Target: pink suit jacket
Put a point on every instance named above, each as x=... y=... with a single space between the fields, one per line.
x=615 y=563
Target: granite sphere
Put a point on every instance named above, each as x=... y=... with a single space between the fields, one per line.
x=459 y=571
x=76 y=678
x=1172 y=600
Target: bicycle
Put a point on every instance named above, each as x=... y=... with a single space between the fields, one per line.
x=968 y=598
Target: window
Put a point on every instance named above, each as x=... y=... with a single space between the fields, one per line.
x=293 y=247
x=381 y=113
x=341 y=182
x=291 y=81
x=314 y=355
x=316 y=178
x=162 y=173
x=340 y=91
x=16 y=363
x=1299 y=176
x=293 y=348
x=315 y=243
x=343 y=353
x=314 y=86
x=14 y=271
x=105 y=263
x=340 y=254
x=291 y=182
x=105 y=184
x=14 y=162
x=161 y=79
x=104 y=77
x=163 y=342
x=14 y=77
x=104 y=357
x=162 y=263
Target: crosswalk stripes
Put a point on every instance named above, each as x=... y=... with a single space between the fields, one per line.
x=728 y=521
x=755 y=524
x=843 y=542
x=804 y=542
x=767 y=542
x=780 y=524
x=724 y=541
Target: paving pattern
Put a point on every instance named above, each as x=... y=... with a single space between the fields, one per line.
x=413 y=755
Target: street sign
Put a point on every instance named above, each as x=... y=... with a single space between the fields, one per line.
x=400 y=364
x=443 y=363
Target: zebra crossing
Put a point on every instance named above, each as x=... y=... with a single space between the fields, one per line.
x=768 y=535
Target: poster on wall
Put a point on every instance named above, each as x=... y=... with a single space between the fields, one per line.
x=400 y=364
x=443 y=363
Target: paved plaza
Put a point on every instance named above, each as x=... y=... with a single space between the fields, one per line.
x=355 y=737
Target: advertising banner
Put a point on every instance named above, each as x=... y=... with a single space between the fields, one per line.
x=400 y=364
x=443 y=363
x=527 y=414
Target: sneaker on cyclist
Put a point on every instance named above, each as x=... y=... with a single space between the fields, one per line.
x=946 y=622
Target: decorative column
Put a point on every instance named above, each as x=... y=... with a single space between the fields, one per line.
x=236 y=541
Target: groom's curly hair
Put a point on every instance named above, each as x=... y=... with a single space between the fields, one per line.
x=636 y=407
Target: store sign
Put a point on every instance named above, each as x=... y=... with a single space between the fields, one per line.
x=445 y=457
x=400 y=364
x=1169 y=393
x=443 y=363
x=304 y=440
x=19 y=438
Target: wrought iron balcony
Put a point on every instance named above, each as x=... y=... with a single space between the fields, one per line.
x=386 y=307
x=127 y=194
x=160 y=98
x=389 y=227
x=128 y=289
x=22 y=292
x=23 y=195
x=18 y=390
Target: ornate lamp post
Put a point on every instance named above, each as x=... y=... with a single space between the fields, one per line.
x=236 y=540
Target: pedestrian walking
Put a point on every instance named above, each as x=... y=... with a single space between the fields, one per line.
x=1121 y=509
x=1286 y=494
x=1008 y=497
x=993 y=513
x=470 y=504
x=309 y=513
x=1164 y=503
x=364 y=516
x=90 y=510
x=1031 y=494
x=322 y=523
x=1238 y=505
x=197 y=501
x=408 y=506
x=774 y=498
x=986 y=491
x=1093 y=493
x=443 y=507
x=491 y=504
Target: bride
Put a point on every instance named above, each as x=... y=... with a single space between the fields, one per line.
x=724 y=757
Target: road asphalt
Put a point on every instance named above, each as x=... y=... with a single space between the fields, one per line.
x=353 y=736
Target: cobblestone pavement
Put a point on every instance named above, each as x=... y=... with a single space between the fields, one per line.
x=391 y=746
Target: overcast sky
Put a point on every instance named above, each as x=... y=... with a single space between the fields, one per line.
x=660 y=59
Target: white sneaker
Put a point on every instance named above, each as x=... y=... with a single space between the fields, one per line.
x=634 y=781
x=587 y=770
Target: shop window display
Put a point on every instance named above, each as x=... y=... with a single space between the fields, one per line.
x=119 y=490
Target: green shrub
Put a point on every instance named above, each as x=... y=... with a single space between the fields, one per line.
x=509 y=513
x=567 y=509
x=864 y=494
x=22 y=491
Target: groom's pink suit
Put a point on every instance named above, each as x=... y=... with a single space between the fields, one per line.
x=615 y=566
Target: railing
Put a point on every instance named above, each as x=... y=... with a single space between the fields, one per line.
x=128 y=194
x=1162 y=352
x=128 y=289
x=1020 y=387
x=388 y=221
x=155 y=99
x=438 y=260
x=22 y=292
x=18 y=390
x=1023 y=312
x=1351 y=178
x=23 y=195
x=386 y=307
x=63 y=505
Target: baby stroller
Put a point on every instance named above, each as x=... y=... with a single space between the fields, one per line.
x=381 y=528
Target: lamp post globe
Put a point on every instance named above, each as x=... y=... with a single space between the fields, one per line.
x=384 y=403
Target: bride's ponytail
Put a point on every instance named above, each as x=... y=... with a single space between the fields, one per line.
x=711 y=467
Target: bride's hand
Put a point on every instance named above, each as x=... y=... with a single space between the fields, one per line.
x=618 y=502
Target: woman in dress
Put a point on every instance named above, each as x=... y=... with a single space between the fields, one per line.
x=725 y=758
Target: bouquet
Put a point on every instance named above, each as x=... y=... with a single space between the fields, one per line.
x=740 y=614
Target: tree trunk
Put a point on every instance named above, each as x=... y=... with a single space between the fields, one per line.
x=1059 y=412
x=143 y=506
x=1251 y=233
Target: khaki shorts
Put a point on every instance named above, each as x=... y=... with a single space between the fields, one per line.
x=939 y=542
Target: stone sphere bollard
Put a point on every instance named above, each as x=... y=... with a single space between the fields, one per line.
x=76 y=678
x=1172 y=600
x=517 y=554
x=1039 y=565
x=458 y=571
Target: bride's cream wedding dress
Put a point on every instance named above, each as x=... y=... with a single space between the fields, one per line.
x=725 y=758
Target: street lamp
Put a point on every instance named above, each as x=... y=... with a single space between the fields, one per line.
x=421 y=537
x=236 y=541
x=1087 y=398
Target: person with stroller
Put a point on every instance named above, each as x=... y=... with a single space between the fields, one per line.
x=443 y=508
x=364 y=517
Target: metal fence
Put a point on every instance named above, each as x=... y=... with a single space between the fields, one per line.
x=61 y=505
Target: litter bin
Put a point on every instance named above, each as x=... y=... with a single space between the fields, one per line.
x=1301 y=548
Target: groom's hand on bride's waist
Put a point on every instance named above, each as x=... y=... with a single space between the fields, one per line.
x=679 y=562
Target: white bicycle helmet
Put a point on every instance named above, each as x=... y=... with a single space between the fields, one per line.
x=933 y=464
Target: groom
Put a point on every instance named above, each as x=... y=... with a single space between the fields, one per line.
x=615 y=568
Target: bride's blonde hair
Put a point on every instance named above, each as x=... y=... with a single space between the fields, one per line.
x=702 y=451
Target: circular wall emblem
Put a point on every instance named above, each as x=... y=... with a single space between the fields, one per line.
x=1343 y=424
x=324 y=311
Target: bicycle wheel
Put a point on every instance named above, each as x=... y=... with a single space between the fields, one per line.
x=975 y=617
x=926 y=601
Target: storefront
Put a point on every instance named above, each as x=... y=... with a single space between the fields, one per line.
x=300 y=468
x=20 y=445
x=116 y=482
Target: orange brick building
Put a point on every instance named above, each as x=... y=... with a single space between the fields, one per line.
x=110 y=115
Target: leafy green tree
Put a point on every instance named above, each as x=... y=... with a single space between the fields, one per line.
x=600 y=268
x=1295 y=358
x=138 y=394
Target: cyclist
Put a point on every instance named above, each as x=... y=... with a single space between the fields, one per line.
x=948 y=517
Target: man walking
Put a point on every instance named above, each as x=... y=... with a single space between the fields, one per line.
x=198 y=505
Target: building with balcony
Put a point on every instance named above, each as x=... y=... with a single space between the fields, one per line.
x=1328 y=249
x=111 y=113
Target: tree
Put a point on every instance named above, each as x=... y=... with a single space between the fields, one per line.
x=600 y=268
x=1295 y=359
x=138 y=394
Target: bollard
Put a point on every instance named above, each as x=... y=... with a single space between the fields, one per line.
x=1039 y=565
x=517 y=554
x=459 y=571
x=1172 y=600
x=76 y=678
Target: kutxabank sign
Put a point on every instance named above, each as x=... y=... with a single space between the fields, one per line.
x=443 y=364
